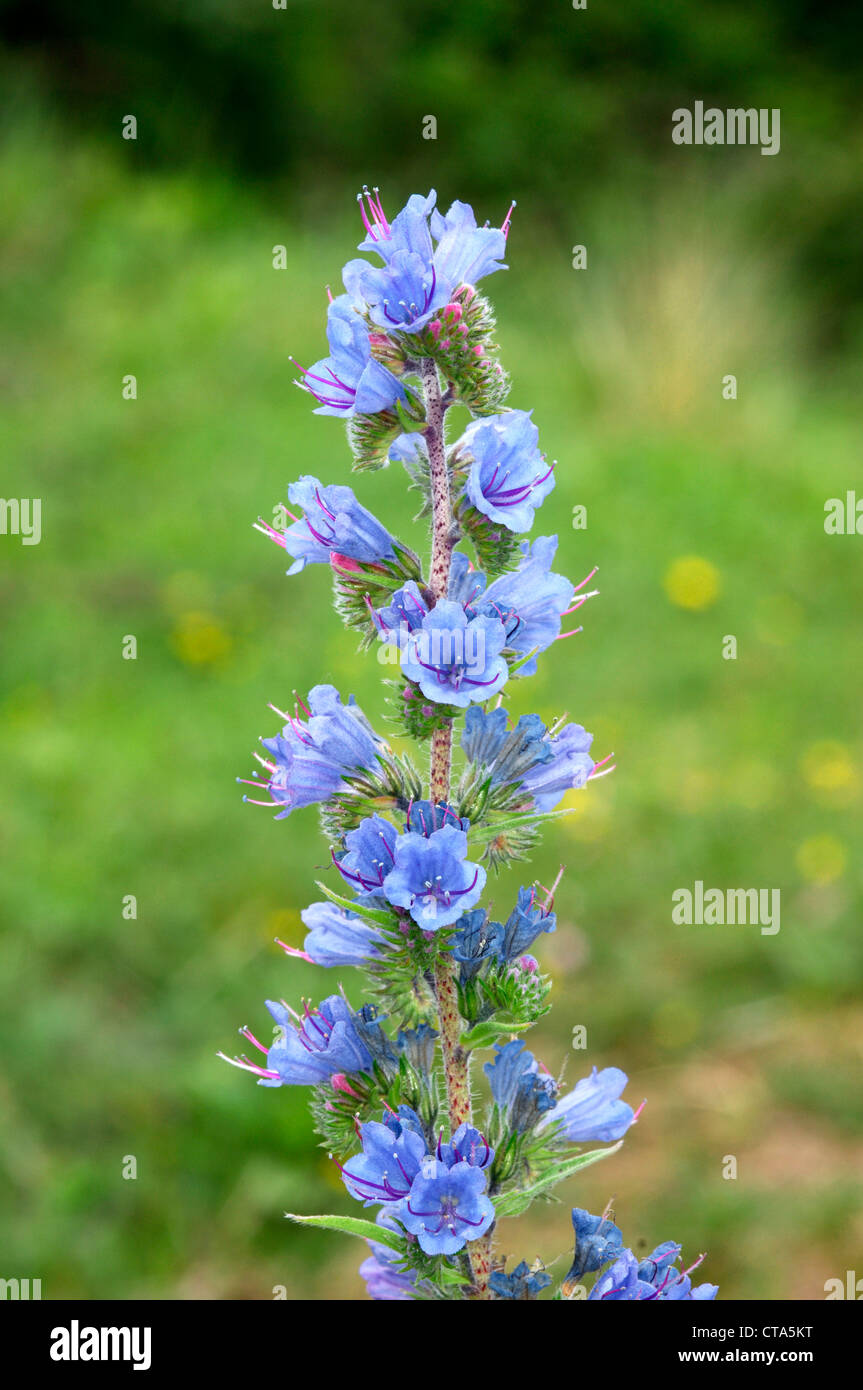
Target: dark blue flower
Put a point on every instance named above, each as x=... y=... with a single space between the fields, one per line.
x=310 y=1049
x=405 y=611
x=370 y=855
x=475 y=941
x=310 y=758
x=508 y=477
x=447 y=1206
x=432 y=879
x=593 y=1109
x=350 y=381
x=521 y=1092
x=521 y=1284
x=524 y=924
x=597 y=1240
x=417 y=1045
x=425 y=819
x=454 y=659
x=334 y=523
x=506 y=753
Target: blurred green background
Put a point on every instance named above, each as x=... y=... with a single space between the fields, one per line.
x=257 y=127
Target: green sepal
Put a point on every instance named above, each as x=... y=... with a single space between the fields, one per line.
x=488 y=830
x=486 y=1034
x=371 y=914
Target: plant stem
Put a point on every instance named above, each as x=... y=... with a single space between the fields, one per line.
x=455 y=1059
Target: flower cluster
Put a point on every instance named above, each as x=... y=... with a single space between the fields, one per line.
x=396 y=1091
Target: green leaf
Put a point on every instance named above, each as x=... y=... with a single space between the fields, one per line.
x=409 y=423
x=381 y=919
x=489 y=829
x=486 y=1033
x=352 y=1226
x=514 y=1203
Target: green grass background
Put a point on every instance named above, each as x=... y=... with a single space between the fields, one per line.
x=118 y=775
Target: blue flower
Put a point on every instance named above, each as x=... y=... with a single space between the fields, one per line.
x=337 y=937
x=508 y=477
x=466 y=584
x=391 y=1158
x=447 y=1207
x=530 y=601
x=474 y=941
x=569 y=766
x=521 y=1092
x=597 y=1240
x=334 y=523
x=593 y=1110
x=404 y=294
x=432 y=879
x=310 y=758
x=405 y=611
x=524 y=924
x=666 y=1282
x=369 y=857
x=467 y=1145
x=520 y=1284
x=466 y=253
x=626 y=1281
x=310 y=1049
x=407 y=232
x=456 y=660
x=350 y=381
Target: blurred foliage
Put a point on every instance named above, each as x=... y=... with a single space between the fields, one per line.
x=705 y=517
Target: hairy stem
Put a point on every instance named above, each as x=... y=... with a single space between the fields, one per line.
x=455 y=1058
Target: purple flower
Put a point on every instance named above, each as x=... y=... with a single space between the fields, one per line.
x=454 y=659
x=337 y=937
x=370 y=855
x=350 y=381
x=593 y=1110
x=447 y=1207
x=408 y=230
x=467 y=1145
x=385 y=1280
x=310 y=1049
x=310 y=758
x=530 y=601
x=432 y=879
x=466 y=584
x=508 y=477
x=334 y=523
